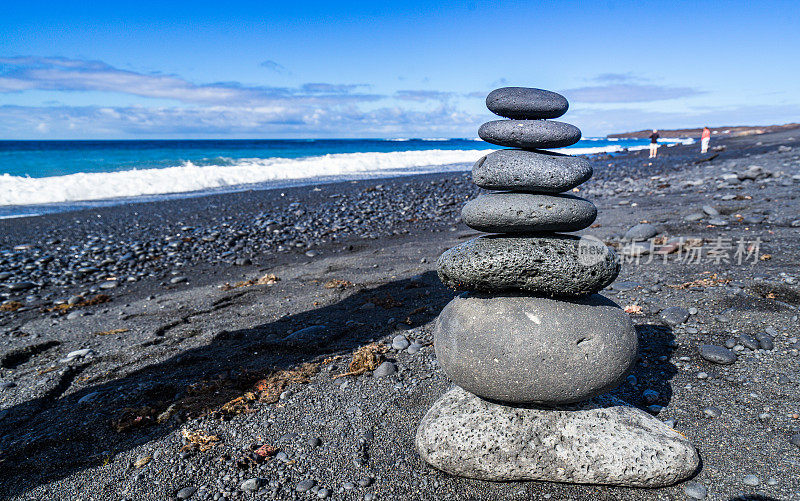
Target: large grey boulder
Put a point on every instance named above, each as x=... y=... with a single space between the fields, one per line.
x=528 y=212
x=527 y=349
x=526 y=103
x=523 y=170
x=551 y=265
x=601 y=441
x=529 y=133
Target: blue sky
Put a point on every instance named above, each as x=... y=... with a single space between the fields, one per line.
x=377 y=69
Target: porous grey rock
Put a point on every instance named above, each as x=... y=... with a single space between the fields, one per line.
x=641 y=232
x=528 y=212
x=601 y=441
x=540 y=171
x=546 y=264
x=529 y=133
x=534 y=350
x=526 y=103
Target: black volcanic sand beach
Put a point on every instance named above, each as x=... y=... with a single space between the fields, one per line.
x=190 y=348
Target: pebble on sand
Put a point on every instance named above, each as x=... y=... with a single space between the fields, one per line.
x=751 y=480
x=185 y=493
x=305 y=485
x=251 y=484
x=385 y=369
x=717 y=354
x=695 y=490
x=641 y=232
x=675 y=315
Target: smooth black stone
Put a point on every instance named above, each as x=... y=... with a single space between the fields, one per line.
x=529 y=134
x=748 y=342
x=717 y=354
x=641 y=232
x=551 y=265
x=525 y=103
x=675 y=315
x=528 y=212
x=523 y=170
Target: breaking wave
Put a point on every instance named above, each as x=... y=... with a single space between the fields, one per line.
x=188 y=177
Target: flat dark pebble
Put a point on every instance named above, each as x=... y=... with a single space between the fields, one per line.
x=529 y=134
x=675 y=315
x=717 y=354
x=528 y=212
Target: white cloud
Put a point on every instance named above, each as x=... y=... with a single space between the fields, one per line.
x=628 y=93
x=71 y=75
x=234 y=121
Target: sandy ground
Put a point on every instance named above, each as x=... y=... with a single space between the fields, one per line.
x=199 y=390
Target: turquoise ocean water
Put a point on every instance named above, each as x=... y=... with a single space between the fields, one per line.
x=46 y=176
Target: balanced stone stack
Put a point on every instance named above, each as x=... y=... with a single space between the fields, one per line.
x=530 y=345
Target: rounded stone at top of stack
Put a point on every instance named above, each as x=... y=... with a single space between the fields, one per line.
x=529 y=134
x=537 y=171
x=525 y=103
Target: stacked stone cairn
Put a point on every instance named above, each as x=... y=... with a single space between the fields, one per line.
x=531 y=347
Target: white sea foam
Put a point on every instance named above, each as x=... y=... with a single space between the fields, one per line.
x=615 y=148
x=188 y=177
x=678 y=140
x=16 y=190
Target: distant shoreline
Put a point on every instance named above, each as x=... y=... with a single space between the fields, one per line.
x=733 y=131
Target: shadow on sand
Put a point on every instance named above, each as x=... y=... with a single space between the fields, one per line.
x=48 y=438
x=45 y=439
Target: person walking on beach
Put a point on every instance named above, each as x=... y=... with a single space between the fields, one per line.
x=704 y=140
x=654 y=143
